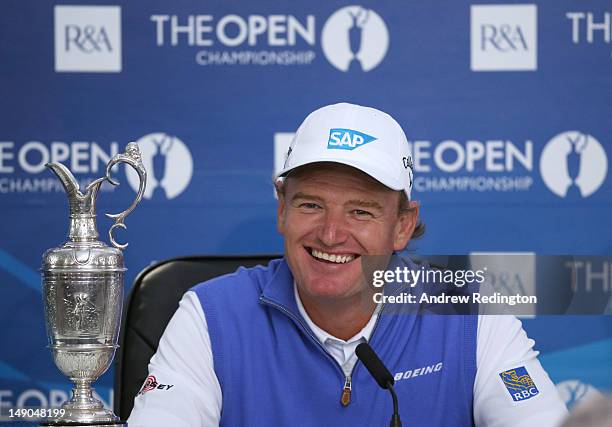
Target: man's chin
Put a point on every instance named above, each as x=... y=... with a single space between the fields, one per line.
x=331 y=290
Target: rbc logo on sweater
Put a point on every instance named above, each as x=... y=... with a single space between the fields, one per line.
x=519 y=384
x=347 y=139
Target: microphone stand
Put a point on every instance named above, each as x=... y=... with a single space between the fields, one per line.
x=395 y=418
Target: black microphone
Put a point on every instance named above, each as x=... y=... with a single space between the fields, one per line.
x=381 y=374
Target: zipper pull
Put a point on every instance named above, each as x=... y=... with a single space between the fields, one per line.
x=345 y=399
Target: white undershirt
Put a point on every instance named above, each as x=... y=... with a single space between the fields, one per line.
x=342 y=351
x=184 y=360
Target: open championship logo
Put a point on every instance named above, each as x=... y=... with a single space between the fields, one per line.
x=355 y=38
x=168 y=163
x=573 y=162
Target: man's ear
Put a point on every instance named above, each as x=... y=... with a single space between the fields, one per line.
x=405 y=226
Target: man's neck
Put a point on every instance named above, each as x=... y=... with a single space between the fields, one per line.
x=341 y=319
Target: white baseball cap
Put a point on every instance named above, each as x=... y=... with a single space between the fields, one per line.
x=361 y=137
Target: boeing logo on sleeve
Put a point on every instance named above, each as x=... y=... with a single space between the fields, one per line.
x=347 y=139
x=519 y=384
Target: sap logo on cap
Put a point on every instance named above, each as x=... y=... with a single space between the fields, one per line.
x=355 y=38
x=519 y=384
x=88 y=38
x=168 y=163
x=504 y=38
x=347 y=139
x=573 y=162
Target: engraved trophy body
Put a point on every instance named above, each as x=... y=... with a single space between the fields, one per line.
x=83 y=294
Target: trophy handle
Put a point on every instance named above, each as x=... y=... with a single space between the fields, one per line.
x=132 y=158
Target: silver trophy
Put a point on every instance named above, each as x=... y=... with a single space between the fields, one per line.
x=83 y=294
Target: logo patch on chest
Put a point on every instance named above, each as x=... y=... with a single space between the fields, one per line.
x=425 y=370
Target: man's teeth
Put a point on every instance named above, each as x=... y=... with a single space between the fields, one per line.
x=339 y=259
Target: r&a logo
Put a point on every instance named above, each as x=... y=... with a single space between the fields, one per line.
x=88 y=38
x=506 y=38
x=503 y=37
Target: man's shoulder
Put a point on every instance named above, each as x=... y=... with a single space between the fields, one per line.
x=243 y=281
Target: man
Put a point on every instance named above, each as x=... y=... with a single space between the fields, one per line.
x=275 y=346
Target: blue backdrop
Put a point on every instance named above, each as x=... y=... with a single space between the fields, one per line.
x=506 y=107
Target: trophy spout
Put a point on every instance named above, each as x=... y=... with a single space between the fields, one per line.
x=82 y=206
x=66 y=178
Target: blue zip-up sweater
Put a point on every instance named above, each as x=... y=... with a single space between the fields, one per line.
x=274 y=372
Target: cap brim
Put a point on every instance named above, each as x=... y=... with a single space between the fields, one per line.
x=378 y=175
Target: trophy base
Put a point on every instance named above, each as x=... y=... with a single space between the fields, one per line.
x=77 y=424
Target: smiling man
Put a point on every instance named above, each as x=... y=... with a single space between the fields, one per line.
x=330 y=216
x=275 y=345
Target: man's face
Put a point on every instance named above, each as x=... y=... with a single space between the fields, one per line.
x=331 y=216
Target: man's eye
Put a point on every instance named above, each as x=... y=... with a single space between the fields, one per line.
x=309 y=206
x=362 y=213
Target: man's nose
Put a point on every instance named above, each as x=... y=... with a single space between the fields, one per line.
x=333 y=230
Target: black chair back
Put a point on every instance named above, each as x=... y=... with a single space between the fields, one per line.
x=153 y=300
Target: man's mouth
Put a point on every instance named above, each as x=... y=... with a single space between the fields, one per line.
x=331 y=258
